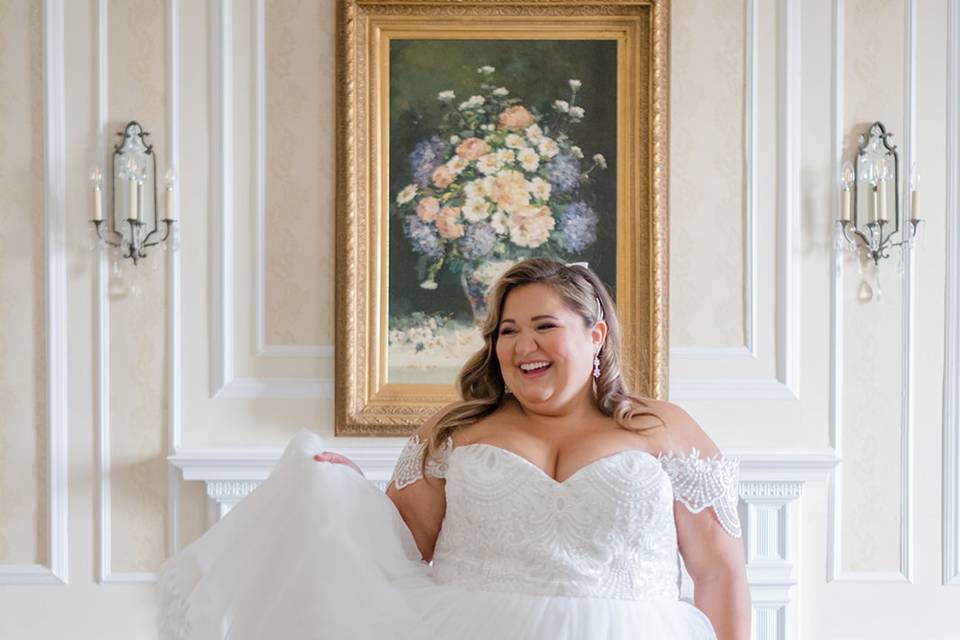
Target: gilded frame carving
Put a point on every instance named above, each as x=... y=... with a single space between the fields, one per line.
x=365 y=403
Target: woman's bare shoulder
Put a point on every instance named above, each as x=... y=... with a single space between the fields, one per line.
x=680 y=432
x=499 y=419
x=661 y=424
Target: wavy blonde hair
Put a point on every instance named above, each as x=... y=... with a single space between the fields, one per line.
x=480 y=381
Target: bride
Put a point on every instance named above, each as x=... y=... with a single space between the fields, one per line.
x=549 y=503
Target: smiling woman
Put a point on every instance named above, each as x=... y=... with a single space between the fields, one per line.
x=548 y=511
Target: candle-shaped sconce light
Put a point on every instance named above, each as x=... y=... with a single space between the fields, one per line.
x=847 y=177
x=131 y=173
x=96 y=179
x=914 y=192
x=883 y=178
x=169 y=178
x=876 y=169
x=873 y=177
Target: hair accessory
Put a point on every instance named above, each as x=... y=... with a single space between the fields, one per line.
x=585 y=265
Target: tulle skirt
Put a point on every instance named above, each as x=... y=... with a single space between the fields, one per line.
x=317 y=551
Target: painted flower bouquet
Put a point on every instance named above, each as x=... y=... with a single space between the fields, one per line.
x=498 y=182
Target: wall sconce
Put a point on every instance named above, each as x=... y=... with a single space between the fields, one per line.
x=135 y=217
x=867 y=187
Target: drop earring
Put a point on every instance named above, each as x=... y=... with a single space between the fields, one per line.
x=596 y=365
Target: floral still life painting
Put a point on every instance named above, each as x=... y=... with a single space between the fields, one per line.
x=494 y=158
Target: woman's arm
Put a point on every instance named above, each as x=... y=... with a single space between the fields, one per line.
x=422 y=506
x=712 y=552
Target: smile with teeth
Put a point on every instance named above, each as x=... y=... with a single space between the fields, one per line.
x=534 y=367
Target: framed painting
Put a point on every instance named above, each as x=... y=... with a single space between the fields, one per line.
x=471 y=136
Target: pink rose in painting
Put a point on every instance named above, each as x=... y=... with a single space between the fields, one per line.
x=530 y=226
x=442 y=177
x=427 y=209
x=515 y=118
x=472 y=148
x=511 y=191
x=447 y=223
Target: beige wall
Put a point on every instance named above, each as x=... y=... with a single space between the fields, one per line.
x=256 y=358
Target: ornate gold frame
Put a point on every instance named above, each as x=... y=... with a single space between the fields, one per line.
x=365 y=403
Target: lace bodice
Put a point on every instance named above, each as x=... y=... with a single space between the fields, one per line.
x=606 y=531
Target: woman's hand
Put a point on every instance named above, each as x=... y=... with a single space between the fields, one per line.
x=336 y=458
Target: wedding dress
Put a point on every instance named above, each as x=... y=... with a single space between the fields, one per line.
x=318 y=551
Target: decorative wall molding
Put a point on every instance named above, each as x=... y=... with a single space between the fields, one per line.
x=260 y=204
x=785 y=385
x=751 y=119
x=102 y=321
x=104 y=532
x=951 y=338
x=174 y=301
x=222 y=187
x=55 y=204
x=836 y=289
x=55 y=201
x=771 y=536
x=774 y=475
x=789 y=150
x=835 y=572
x=907 y=467
x=223 y=382
x=729 y=389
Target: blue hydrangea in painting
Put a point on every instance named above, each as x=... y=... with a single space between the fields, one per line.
x=423 y=237
x=498 y=181
x=478 y=241
x=578 y=227
x=564 y=173
x=425 y=158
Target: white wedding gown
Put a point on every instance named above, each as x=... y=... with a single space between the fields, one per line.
x=318 y=551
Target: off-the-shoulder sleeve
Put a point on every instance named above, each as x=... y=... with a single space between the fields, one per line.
x=699 y=483
x=408 y=471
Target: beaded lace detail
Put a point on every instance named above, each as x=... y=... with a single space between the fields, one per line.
x=407 y=471
x=607 y=531
x=699 y=483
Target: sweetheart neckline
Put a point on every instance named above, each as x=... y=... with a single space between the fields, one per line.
x=543 y=473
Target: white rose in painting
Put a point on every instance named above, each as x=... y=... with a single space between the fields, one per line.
x=456 y=164
x=474 y=189
x=561 y=105
x=407 y=194
x=446 y=96
x=476 y=209
x=577 y=112
x=534 y=133
x=576 y=151
x=549 y=148
x=514 y=141
x=529 y=159
x=505 y=156
x=488 y=164
x=500 y=91
x=540 y=189
x=600 y=160
x=575 y=84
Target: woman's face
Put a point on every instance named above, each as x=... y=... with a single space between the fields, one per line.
x=544 y=350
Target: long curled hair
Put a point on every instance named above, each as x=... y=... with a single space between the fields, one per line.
x=480 y=381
